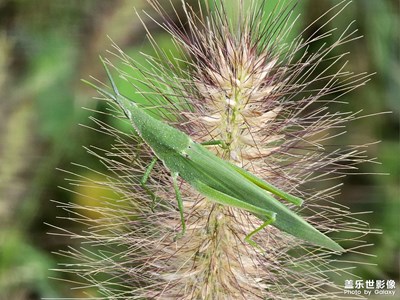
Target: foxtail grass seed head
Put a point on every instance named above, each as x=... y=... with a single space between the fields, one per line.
x=239 y=78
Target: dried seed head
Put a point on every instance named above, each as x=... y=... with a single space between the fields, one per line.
x=246 y=85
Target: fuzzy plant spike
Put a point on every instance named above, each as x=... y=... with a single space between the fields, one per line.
x=241 y=83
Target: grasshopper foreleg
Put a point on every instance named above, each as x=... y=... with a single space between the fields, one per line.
x=143 y=182
x=180 y=204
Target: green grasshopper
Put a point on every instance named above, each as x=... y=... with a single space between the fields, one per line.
x=213 y=177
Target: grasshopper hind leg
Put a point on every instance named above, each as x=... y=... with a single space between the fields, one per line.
x=224 y=199
x=271 y=217
x=220 y=143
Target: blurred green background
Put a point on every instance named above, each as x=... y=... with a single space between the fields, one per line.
x=47 y=46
